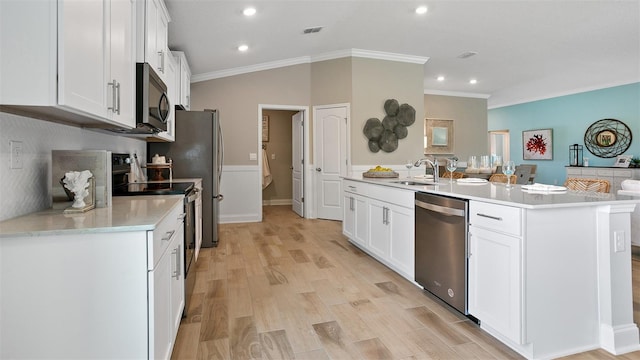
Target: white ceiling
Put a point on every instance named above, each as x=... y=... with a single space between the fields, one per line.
x=527 y=49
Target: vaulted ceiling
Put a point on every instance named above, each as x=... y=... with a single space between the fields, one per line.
x=526 y=49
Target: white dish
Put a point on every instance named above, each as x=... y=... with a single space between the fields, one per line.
x=476 y=181
x=543 y=188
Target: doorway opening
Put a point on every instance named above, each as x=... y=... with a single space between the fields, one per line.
x=282 y=140
x=499 y=144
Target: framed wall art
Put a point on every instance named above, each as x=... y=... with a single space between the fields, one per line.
x=265 y=128
x=537 y=144
x=438 y=136
x=607 y=138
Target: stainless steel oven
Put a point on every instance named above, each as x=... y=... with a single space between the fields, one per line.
x=189 y=244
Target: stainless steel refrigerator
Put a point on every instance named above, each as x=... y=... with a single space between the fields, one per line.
x=198 y=152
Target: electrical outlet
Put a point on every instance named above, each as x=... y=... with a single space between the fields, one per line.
x=253 y=156
x=16 y=154
x=618 y=238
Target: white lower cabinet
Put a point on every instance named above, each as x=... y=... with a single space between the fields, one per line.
x=117 y=295
x=495 y=268
x=380 y=220
x=166 y=298
x=495 y=294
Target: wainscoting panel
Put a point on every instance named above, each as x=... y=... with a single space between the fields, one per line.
x=242 y=190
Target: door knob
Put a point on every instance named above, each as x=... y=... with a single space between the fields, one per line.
x=318 y=169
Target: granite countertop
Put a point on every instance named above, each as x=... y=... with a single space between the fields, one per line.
x=128 y=213
x=515 y=196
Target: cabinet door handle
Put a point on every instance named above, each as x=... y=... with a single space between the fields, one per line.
x=182 y=216
x=353 y=203
x=117 y=90
x=168 y=236
x=176 y=273
x=161 y=55
x=113 y=96
x=385 y=215
x=489 y=216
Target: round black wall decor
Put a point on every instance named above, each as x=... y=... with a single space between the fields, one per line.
x=607 y=138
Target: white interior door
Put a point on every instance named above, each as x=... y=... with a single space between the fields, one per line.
x=297 y=172
x=330 y=159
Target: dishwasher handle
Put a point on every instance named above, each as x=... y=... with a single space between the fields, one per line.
x=440 y=209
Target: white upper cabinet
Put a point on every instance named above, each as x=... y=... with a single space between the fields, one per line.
x=184 y=81
x=78 y=64
x=153 y=34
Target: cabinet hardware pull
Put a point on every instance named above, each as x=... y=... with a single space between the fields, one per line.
x=489 y=216
x=113 y=96
x=161 y=67
x=176 y=273
x=182 y=216
x=169 y=235
x=117 y=90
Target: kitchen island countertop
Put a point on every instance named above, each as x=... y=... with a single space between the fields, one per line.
x=498 y=193
x=128 y=213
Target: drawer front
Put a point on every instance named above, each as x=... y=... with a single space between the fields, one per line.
x=500 y=218
x=626 y=173
x=572 y=172
x=589 y=172
x=605 y=172
x=158 y=240
x=393 y=195
x=355 y=187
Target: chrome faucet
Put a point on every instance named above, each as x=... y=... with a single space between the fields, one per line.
x=433 y=164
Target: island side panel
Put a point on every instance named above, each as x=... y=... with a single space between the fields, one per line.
x=618 y=332
x=74 y=296
x=561 y=281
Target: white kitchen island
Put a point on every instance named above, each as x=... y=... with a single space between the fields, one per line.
x=107 y=283
x=549 y=273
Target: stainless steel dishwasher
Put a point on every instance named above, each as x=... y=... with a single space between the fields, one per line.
x=441 y=247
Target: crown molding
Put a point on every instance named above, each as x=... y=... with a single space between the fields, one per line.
x=249 y=69
x=378 y=55
x=525 y=100
x=456 y=93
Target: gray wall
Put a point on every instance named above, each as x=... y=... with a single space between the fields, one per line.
x=237 y=98
x=279 y=144
x=373 y=82
x=469 y=117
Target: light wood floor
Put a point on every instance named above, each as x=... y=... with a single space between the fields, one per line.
x=294 y=288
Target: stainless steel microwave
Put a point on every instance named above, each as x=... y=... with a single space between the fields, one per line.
x=152 y=103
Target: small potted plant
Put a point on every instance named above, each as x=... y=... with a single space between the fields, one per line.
x=635 y=162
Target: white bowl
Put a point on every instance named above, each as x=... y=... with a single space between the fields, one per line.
x=631 y=185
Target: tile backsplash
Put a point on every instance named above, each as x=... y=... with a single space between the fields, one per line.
x=28 y=189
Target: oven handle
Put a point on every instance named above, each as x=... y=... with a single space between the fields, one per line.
x=440 y=209
x=192 y=196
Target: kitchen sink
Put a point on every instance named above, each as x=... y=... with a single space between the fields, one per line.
x=411 y=182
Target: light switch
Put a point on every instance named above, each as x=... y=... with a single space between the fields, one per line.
x=273 y=156
x=253 y=156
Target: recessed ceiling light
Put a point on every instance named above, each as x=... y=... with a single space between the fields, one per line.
x=312 y=30
x=440 y=78
x=473 y=81
x=420 y=10
x=249 y=11
x=467 y=54
x=243 y=48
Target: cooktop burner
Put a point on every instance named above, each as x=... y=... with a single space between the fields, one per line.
x=174 y=188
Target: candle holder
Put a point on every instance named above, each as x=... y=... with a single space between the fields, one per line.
x=575 y=155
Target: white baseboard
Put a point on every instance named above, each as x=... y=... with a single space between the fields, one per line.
x=270 y=202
